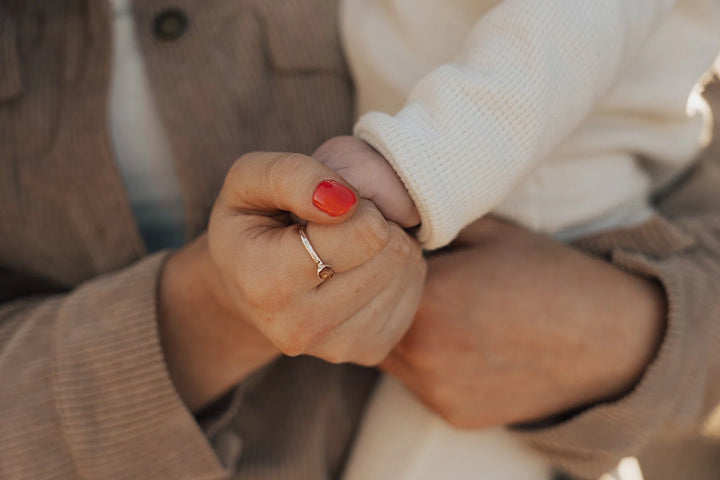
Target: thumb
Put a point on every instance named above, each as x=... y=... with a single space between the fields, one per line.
x=265 y=182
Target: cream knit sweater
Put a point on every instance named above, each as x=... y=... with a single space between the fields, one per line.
x=562 y=115
x=473 y=102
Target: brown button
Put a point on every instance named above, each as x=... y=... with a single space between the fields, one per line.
x=170 y=24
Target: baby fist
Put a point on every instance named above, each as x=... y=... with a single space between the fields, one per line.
x=371 y=175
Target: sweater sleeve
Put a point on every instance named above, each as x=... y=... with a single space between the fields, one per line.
x=678 y=392
x=85 y=390
x=529 y=74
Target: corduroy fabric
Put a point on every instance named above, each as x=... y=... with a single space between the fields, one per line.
x=273 y=78
x=85 y=393
x=85 y=390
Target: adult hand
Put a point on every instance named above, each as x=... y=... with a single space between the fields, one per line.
x=262 y=292
x=515 y=327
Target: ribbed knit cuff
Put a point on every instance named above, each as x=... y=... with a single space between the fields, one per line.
x=119 y=409
x=446 y=195
x=472 y=130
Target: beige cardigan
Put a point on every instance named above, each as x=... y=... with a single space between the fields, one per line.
x=85 y=392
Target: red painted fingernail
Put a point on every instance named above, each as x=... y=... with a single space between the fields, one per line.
x=333 y=198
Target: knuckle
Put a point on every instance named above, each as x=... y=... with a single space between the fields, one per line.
x=399 y=245
x=232 y=178
x=418 y=267
x=281 y=171
x=290 y=349
x=236 y=168
x=414 y=252
x=336 y=353
x=372 y=359
x=340 y=144
x=241 y=168
x=422 y=263
x=422 y=269
x=329 y=150
x=293 y=342
x=374 y=231
x=333 y=356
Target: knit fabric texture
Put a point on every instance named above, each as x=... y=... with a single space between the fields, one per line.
x=487 y=128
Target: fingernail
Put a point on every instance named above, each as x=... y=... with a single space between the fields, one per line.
x=333 y=198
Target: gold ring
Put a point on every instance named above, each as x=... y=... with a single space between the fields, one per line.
x=324 y=271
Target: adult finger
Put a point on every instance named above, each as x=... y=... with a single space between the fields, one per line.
x=317 y=313
x=262 y=183
x=368 y=336
x=350 y=244
x=273 y=263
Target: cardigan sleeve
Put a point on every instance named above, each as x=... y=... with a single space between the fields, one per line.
x=678 y=391
x=530 y=72
x=85 y=390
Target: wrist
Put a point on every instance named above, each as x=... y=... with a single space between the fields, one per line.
x=208 y=345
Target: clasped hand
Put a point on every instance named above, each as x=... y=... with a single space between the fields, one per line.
x=359 y=314
x=510 y=326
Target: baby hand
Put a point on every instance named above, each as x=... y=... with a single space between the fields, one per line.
x=366 y=170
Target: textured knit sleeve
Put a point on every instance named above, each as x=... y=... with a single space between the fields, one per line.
x=680 y=388
x=85 y=391
x=530 y=72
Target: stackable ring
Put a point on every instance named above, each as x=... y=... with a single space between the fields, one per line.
x=324 y=271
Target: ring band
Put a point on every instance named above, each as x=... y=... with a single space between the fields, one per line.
x=324 y=271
